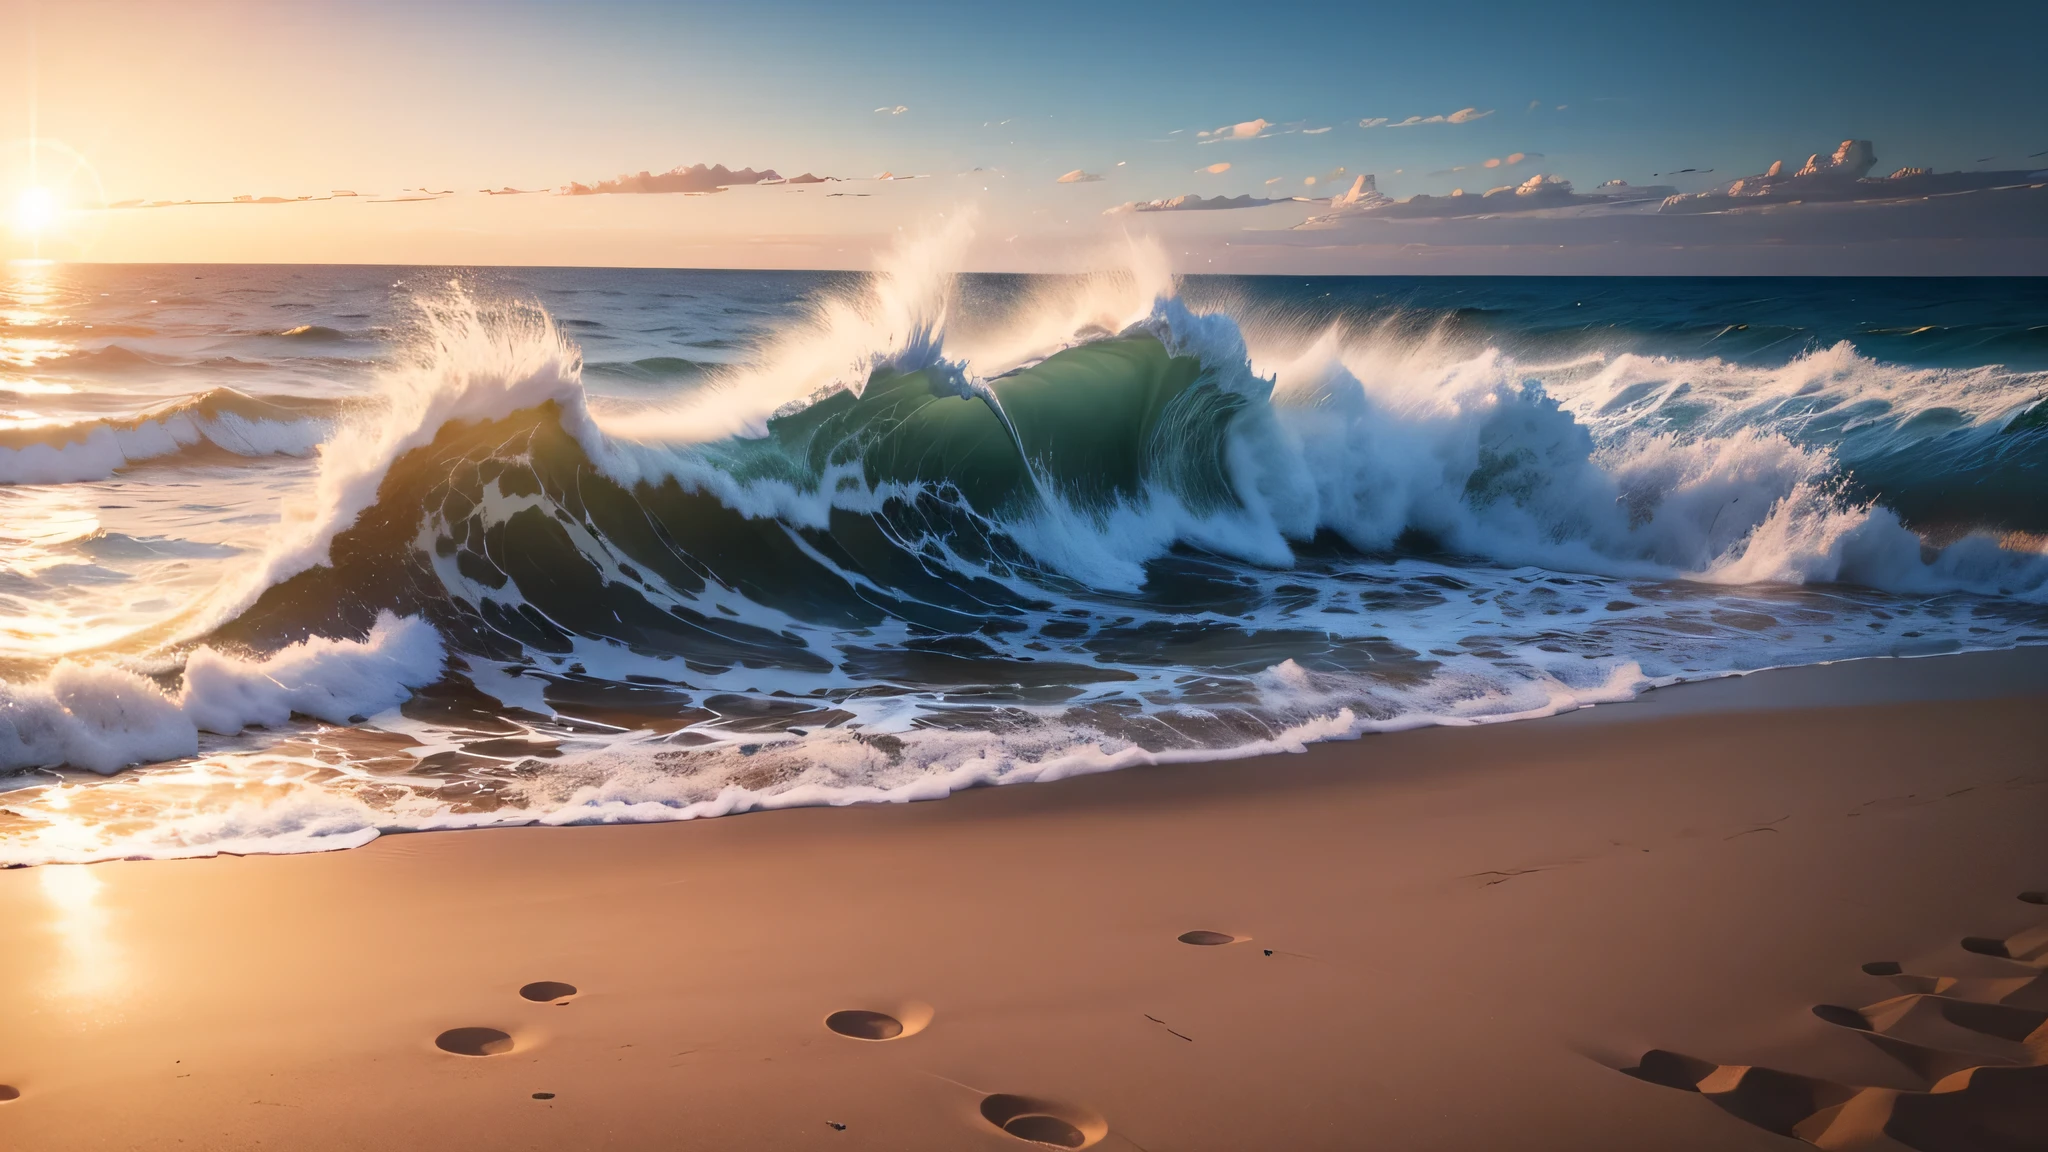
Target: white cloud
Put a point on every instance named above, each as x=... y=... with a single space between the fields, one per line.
x=1275 y=180
x=1216 y=169
x=1194 y=202
x=1077 y=176
x=1247 y=130
x=1461 y=116
x=893 y=110
x=1313 y=131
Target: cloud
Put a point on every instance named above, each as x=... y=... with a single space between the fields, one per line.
x=1247 y=130
x=1275 y=180
x=1327 y=177
x=1195 y=203
x=1537 y=192
x=1077 y=176
x=1995 y=226
x=1544 y=185
x=1216 y=169
x=1508 y=161
x=695 y=178
x=1461 y=116
x=1844 y=177
x=1313 y=131
x=893 y=110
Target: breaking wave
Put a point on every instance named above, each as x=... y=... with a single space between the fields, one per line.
x=919 y=543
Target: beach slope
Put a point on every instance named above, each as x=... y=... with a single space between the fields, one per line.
x=1609 y=930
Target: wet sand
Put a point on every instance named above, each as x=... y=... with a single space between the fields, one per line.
x=1441 y=939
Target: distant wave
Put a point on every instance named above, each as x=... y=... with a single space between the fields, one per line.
x=109 y=358
x=224 y=419
x=651 y=369
x=314 y=334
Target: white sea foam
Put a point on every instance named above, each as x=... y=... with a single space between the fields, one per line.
x=636 y=778
x=105 y=718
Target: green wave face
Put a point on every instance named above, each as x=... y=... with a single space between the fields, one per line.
x=532 y=544
x=1094 y=426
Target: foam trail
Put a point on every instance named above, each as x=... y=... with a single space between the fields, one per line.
x=104 y=718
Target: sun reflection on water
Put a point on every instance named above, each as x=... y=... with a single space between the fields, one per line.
x=28 y=299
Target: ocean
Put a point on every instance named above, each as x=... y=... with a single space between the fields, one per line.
x=292 y=557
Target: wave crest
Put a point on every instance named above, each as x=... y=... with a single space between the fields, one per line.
x=224 y=419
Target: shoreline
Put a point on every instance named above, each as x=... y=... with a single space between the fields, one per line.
x=1969 y=675
x=1443 y=938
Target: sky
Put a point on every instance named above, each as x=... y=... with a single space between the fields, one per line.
x=212 y=100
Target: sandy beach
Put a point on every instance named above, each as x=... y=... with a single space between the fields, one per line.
x=1440 y=939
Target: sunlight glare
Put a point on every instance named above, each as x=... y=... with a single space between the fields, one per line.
x=35 y=209
x=91 y=967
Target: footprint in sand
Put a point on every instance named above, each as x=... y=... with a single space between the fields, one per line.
x=9 y=1092
x=1980 y=1044
x=548 y=991
x=2016 y=991
x=474 y=1042
x=1937 y=1035
x=2028 y=947
x=862 y=1024
x=888 y=1021
x=1202 y=937
x=1048 y=1122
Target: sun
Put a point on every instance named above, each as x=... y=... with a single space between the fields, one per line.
x=35 y=209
